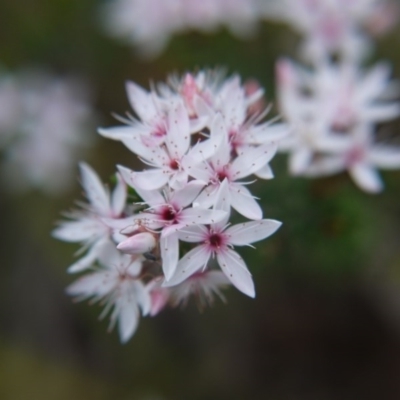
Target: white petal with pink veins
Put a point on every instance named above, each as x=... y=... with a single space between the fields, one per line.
x=236 y=271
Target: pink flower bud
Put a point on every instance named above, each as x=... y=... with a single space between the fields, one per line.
x=138 y=244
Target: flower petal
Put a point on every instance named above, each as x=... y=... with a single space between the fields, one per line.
x=151 y=197
x=188 y=265
x=265 y=172
x=128 y=319
x=366 y=178
x=118 y=197
x=252 y=160
x=151 y=179
x=88 y=260
x=95 y=190
x=299 y=160
x=223 y=203
x=244 y=203
x=250 y=232
x=119 y=132
x=193 y=233
x=200 y=216
x=385 y=157
x=141 y=101
x=169 y=246
x=178 y=135
x=95 y=284
x=236 y=271
x=184 y=197
x=81 y=230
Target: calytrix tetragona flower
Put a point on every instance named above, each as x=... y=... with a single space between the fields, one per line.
x=198 y=137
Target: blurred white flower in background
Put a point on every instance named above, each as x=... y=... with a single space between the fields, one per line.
x=334 y=26
x=334 y=111
x=45 y=123
x=149 y=24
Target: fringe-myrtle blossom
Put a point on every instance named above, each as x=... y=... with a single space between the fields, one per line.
x=198 y=139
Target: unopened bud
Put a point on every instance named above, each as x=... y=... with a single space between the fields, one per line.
x=138 y=244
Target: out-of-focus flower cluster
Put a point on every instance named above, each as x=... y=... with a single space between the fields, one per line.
x=335 y=26
x=201 y=138
x=44 y=124
x=335 y=104
x=148 y=24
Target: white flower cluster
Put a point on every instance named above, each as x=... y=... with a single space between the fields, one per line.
x=149 y=24
x=335 y=106
x=43 y=124
x=335 y=26
x=200 y=136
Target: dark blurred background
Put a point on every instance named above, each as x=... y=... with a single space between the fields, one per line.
x=326 y=320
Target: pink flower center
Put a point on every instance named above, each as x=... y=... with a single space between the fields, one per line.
x=159 y=131
x=354 y=156
x=216 y=241
x=174 y=164
x=222 y=173
x=168 y=214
